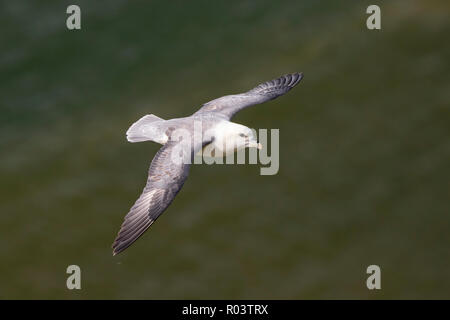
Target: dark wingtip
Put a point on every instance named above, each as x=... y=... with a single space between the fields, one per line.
x=293 y=78
x=299 y=76
x=116 y=248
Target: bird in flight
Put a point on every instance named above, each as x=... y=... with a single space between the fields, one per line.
x=167 y=175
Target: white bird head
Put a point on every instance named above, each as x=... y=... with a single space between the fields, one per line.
x=235 y=136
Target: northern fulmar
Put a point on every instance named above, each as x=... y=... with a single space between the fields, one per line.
x=166 y=176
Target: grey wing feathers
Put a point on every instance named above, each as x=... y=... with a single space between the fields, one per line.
x=165 y=180
x=229 y=105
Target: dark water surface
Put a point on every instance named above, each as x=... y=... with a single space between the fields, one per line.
x=364 y=149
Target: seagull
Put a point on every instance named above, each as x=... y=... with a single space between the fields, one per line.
x=167 y=176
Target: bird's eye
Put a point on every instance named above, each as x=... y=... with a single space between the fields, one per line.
x=242 y=135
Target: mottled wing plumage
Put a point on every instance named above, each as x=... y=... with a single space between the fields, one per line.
x=230 y=105
x=165 y=179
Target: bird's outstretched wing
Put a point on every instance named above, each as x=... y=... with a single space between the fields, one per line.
x=165 y=179
x=229 y=105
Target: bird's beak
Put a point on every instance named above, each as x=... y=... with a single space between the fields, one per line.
x=254 y=144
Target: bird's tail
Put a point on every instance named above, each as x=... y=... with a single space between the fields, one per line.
x=147 y=128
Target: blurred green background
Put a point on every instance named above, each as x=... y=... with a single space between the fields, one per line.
x=364 y=142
